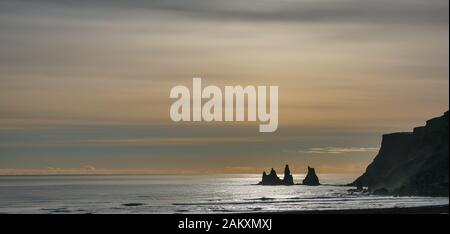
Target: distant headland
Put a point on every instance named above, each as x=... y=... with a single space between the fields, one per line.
x=411 y=163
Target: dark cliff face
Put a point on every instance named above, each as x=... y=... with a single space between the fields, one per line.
x=413 y=163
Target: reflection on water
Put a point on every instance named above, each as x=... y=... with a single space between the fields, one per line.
x=184 y=194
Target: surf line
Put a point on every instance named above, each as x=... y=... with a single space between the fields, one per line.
x=211 y=110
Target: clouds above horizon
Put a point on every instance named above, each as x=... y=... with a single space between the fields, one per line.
x=338 y=150
x=75 y=73
x=335 y=11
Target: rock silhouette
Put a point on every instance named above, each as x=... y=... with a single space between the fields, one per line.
x=273 y=179
x=288 y=179
x=411 y=163
x=311 y=178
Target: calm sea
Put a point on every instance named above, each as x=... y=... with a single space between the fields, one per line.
x=184 y=194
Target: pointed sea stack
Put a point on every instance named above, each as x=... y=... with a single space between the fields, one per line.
x=270 y=179
x=311 y=178
x=288 y=179
x=273 y=179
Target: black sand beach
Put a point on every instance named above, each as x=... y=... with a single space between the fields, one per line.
x=444 y=209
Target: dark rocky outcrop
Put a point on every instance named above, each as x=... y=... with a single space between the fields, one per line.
x=273 y=179
x=288 y=179
x=270 y=179
x=311 y=178
x=411 y=163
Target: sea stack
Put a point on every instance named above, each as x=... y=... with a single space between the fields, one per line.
x=273 y=179
x=311 y=178
x=270 y=179
x=288 y=179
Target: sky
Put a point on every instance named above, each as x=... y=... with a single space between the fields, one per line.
x=84 y=85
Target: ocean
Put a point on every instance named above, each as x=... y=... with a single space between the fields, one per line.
x=185 y=194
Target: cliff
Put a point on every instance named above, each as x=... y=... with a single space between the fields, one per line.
x=411 y=163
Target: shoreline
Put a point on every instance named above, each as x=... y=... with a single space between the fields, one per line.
x=437 y=209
